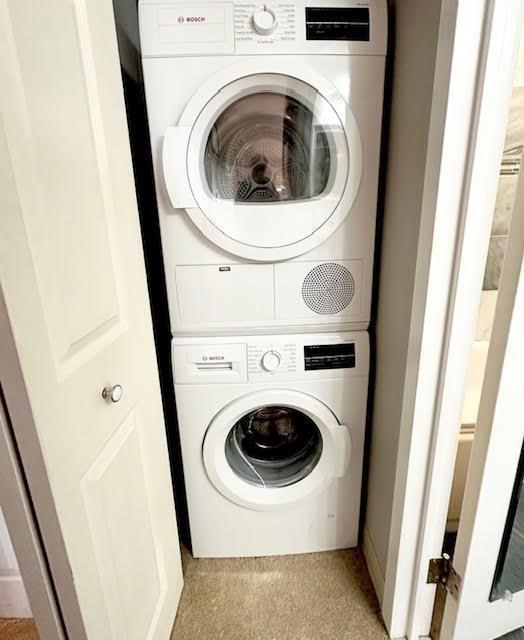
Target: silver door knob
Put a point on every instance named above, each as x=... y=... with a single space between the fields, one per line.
x=112 y=394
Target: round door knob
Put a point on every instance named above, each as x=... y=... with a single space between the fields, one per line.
x=265 y=21
x=271 y=360
x=112 y=394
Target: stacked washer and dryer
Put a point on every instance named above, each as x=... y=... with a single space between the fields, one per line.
x=265 y=122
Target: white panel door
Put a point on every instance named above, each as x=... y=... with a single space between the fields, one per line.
x=489 y=554
x=73 y=279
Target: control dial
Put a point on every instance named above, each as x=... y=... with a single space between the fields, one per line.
x=271 y=360
x=264 y=21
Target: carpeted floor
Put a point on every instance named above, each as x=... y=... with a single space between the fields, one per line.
x=315 y=596
x=17 y=629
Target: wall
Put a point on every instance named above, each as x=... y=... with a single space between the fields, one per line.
x=513 y=146
x=507 y=188
x=13 y=599
x=510 y=166
x=413 y=36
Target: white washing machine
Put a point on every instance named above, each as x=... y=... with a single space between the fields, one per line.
x=272 y=432
x=265 y=122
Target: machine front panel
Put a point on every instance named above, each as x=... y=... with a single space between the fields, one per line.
x=342 y=27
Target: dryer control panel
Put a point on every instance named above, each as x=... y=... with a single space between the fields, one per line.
x=309 y=26
x=244 y=27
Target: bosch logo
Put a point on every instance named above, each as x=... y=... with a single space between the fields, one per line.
x=192 y=19
x=180 y=19
x=216 y=357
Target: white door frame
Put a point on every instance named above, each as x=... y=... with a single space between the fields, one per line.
x=17 y=510
x=501 y=37
x=495 y=459
x=33 y=560
x=477 y=48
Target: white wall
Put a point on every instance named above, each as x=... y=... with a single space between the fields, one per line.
x=13 y=599
x=414 y=29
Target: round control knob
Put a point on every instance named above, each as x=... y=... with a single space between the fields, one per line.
x=271 y=360
x=265 y=21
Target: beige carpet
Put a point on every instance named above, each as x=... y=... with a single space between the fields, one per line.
x=11 y=629
x=315 y=596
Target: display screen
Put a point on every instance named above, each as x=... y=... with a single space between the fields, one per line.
x=329 y=356
x=330 y=23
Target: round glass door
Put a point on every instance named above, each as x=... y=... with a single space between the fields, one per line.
x=273 y=447
x=269 y=147
x=273 y=163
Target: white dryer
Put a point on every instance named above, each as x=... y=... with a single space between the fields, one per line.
x=272 y=433
x=265 y=122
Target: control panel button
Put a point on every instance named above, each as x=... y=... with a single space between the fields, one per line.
x=271 y=360
x=264 y=21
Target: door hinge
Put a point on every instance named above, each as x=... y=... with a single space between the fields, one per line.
x=441 y=571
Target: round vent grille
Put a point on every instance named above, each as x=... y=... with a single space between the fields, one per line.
x=328 y=288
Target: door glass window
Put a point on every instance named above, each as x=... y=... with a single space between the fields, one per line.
x=509 y=575
x=518 y=634
x=273 y=446
x=270 y=147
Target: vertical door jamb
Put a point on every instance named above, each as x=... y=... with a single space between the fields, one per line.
x=498 y=43
x=450 y=245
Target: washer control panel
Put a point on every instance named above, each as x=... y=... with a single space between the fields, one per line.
x=271 y=358
x=265 y=23
x=288 y=358
x=337 y=23
x=329 y=356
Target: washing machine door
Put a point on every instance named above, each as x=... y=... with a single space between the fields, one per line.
x=266 y=164
x=273 y=448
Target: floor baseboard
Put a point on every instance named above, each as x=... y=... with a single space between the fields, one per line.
x=13 y=598
x=373 y=566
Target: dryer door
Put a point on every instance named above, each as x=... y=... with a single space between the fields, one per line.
x=273 y=448
x=267 y=165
